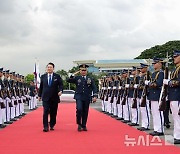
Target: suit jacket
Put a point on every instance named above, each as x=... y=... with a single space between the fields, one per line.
x=84 y=87
x=50 y=92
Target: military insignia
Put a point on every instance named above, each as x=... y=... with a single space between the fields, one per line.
x=88 y=81
x=79 y=81
x=55 y=79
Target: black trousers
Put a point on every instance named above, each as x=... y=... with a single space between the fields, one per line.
x=82 y=109
x=49 y=107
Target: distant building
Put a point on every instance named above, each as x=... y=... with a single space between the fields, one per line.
x=111 y=66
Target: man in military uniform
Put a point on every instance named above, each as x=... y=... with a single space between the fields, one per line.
x=174 y=95
x=32 y=93
x=155 y=86
x=7 y=99
x=133 y=98
x=2 y=105
x=84 y=88
x=145 y=110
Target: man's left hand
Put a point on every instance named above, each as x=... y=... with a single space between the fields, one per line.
x=60 y=93
x=94 y=99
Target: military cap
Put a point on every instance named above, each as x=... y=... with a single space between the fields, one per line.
x=134 y=68
x=11 y=73
x=176 y=53
x=156 y=60
x=1 y=69
x=7 y=71
x=124 y=71
x=143 y=65
x=83 y=66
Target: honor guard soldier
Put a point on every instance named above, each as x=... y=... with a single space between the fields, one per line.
x=7 y=98
x=145 y=105
x=84 y=88
x=155 y=86
x=32 y=94
x=114 y=96
x=121 y=107
x=125 y=101
x=12 y=109
x=174 y=95
x=133 y=97
x=2 y=105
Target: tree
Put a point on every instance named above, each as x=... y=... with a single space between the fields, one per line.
x=29 y=77
x=160 y=50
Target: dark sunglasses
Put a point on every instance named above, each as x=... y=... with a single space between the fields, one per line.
x=83 y=70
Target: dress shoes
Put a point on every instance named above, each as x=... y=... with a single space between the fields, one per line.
x=156 y=134
x=84 y=129
x=8 y=122
x=119 y=118
x=143 y=129
x=52 y=128
x=2 y=126
x=79 y=128
x=176 y=141
x=45 y=130
x=126 y=121
x=133 y=124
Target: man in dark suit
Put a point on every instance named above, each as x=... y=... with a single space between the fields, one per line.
x=84 y=88
x=51 y=88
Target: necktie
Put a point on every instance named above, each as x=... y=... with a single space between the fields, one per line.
x=50 y=80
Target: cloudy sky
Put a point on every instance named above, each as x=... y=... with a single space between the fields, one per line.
x=61 y=31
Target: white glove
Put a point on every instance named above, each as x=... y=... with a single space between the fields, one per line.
x=127 y=85
x=166 y=81
x=135 y=86
x=119 y=87
x=109 y=87
x=147 y=82
x=114 y=87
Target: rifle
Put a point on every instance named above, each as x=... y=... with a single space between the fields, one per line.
x=144 y=93
x=119 y=93
x=135 y=95
x=125 y=94
x=113 y=94
x=164 y=90
x=108 y=91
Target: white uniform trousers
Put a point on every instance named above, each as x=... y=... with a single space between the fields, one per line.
x=106 y=106
x=135 y=112
x=18 y=106
x=12 y=109
x=158 y=117
x=1 y=113
x=7 y=110
x=120 y=109
x=175 y=105
x=35 y=101
x=145 y=115
x=22 y=105
x=127 y=110
x=110 y=106
x=115 y=111
x=102 y=103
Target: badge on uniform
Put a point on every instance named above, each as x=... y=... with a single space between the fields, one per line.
x=79 y=81
x=88 y=81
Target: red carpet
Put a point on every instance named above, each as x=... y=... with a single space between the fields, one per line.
x=105 y=135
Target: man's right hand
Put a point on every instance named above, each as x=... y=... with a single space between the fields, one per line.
x=39 y=99
x=76 y=73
